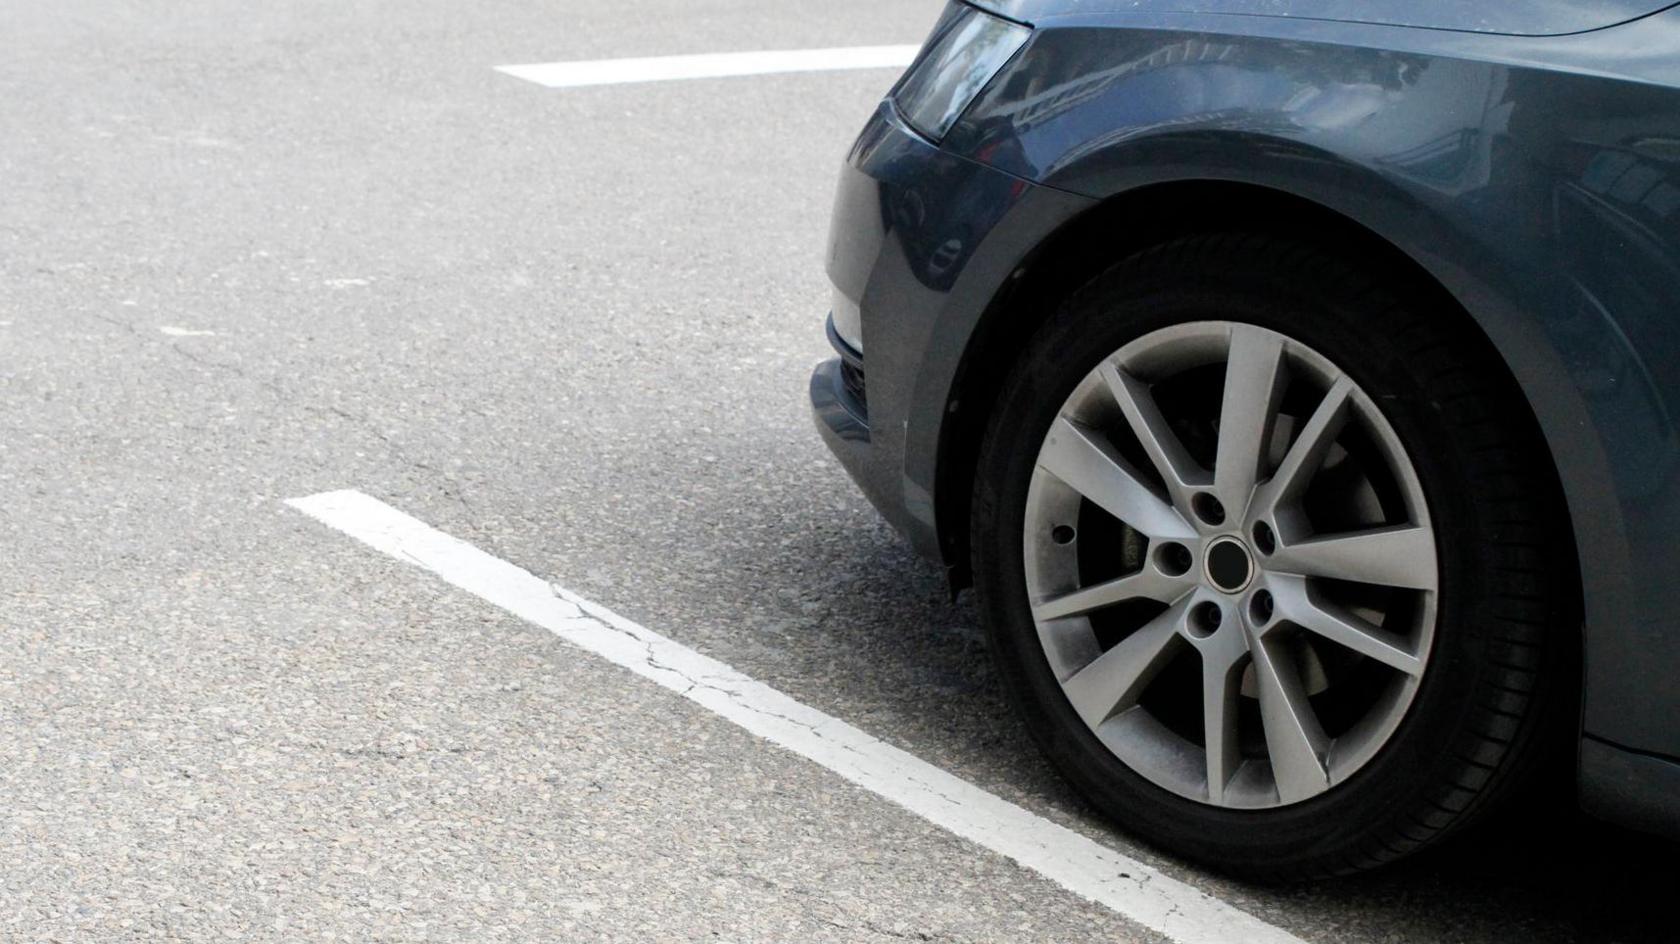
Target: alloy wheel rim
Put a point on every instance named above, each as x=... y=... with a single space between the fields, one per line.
x=1231 y=564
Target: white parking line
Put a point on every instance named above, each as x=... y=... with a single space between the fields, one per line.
x=710 y=65
x=1129 y=887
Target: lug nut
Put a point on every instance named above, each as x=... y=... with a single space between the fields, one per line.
x=1173 y=559
x=1208 y=508
x=1205 y=619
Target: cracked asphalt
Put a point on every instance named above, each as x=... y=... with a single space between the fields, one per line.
x=252 y=252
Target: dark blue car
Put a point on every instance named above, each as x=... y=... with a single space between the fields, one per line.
x=1296 y=384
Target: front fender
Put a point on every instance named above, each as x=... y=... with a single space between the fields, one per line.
x=1500 y=180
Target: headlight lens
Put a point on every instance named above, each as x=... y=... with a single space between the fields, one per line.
x=967 y=48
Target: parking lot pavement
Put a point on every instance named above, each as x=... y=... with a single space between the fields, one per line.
x=249 y=254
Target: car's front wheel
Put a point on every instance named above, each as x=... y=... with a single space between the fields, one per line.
x=1262 y=546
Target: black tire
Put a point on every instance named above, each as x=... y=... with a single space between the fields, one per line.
x=1497 y=680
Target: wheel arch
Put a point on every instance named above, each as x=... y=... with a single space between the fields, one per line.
x=1161 y=211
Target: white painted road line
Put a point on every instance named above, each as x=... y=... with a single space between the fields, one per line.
x=710 y=65
x=1131 y=888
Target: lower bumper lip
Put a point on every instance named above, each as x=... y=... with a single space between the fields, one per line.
x=839 y=416
x=844 y=386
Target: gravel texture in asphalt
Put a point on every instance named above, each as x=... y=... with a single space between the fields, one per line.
x=252 y=252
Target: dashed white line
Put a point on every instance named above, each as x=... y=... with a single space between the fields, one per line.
x=1129 y=887
x=709 y=65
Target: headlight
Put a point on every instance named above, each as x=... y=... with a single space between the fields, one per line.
x=966 y=49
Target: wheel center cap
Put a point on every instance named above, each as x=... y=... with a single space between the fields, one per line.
x=1228 y=564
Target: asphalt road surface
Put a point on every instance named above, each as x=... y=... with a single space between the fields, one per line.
x=251 y=252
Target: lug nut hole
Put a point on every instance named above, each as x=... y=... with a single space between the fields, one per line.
x=1208 y=508
x=1264 y=540
x=1260 y=606
x=1205 y=619
x=1062 y=534
x=1173 y=559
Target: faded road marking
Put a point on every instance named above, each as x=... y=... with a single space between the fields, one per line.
x=1129 y=887
x=709 y=65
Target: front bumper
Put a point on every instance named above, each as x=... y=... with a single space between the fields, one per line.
x=921 y=241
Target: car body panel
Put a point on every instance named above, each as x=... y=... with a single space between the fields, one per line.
x=1547 y=202
x=1536 y=178
x=920 y=230
x=1529 y=18
x=1633 y=788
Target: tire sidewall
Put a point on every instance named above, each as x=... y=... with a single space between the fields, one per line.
x=1345 y=324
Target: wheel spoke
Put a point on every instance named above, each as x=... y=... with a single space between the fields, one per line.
x=1148 y=583
x=1295 y=603
x=1118 y=677
x=1254 y=382
x=1307 y=453
x=1091 y=466
x=1295 y=740
x=1219 y=710
x=1401 y=556
x=1166 y=452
